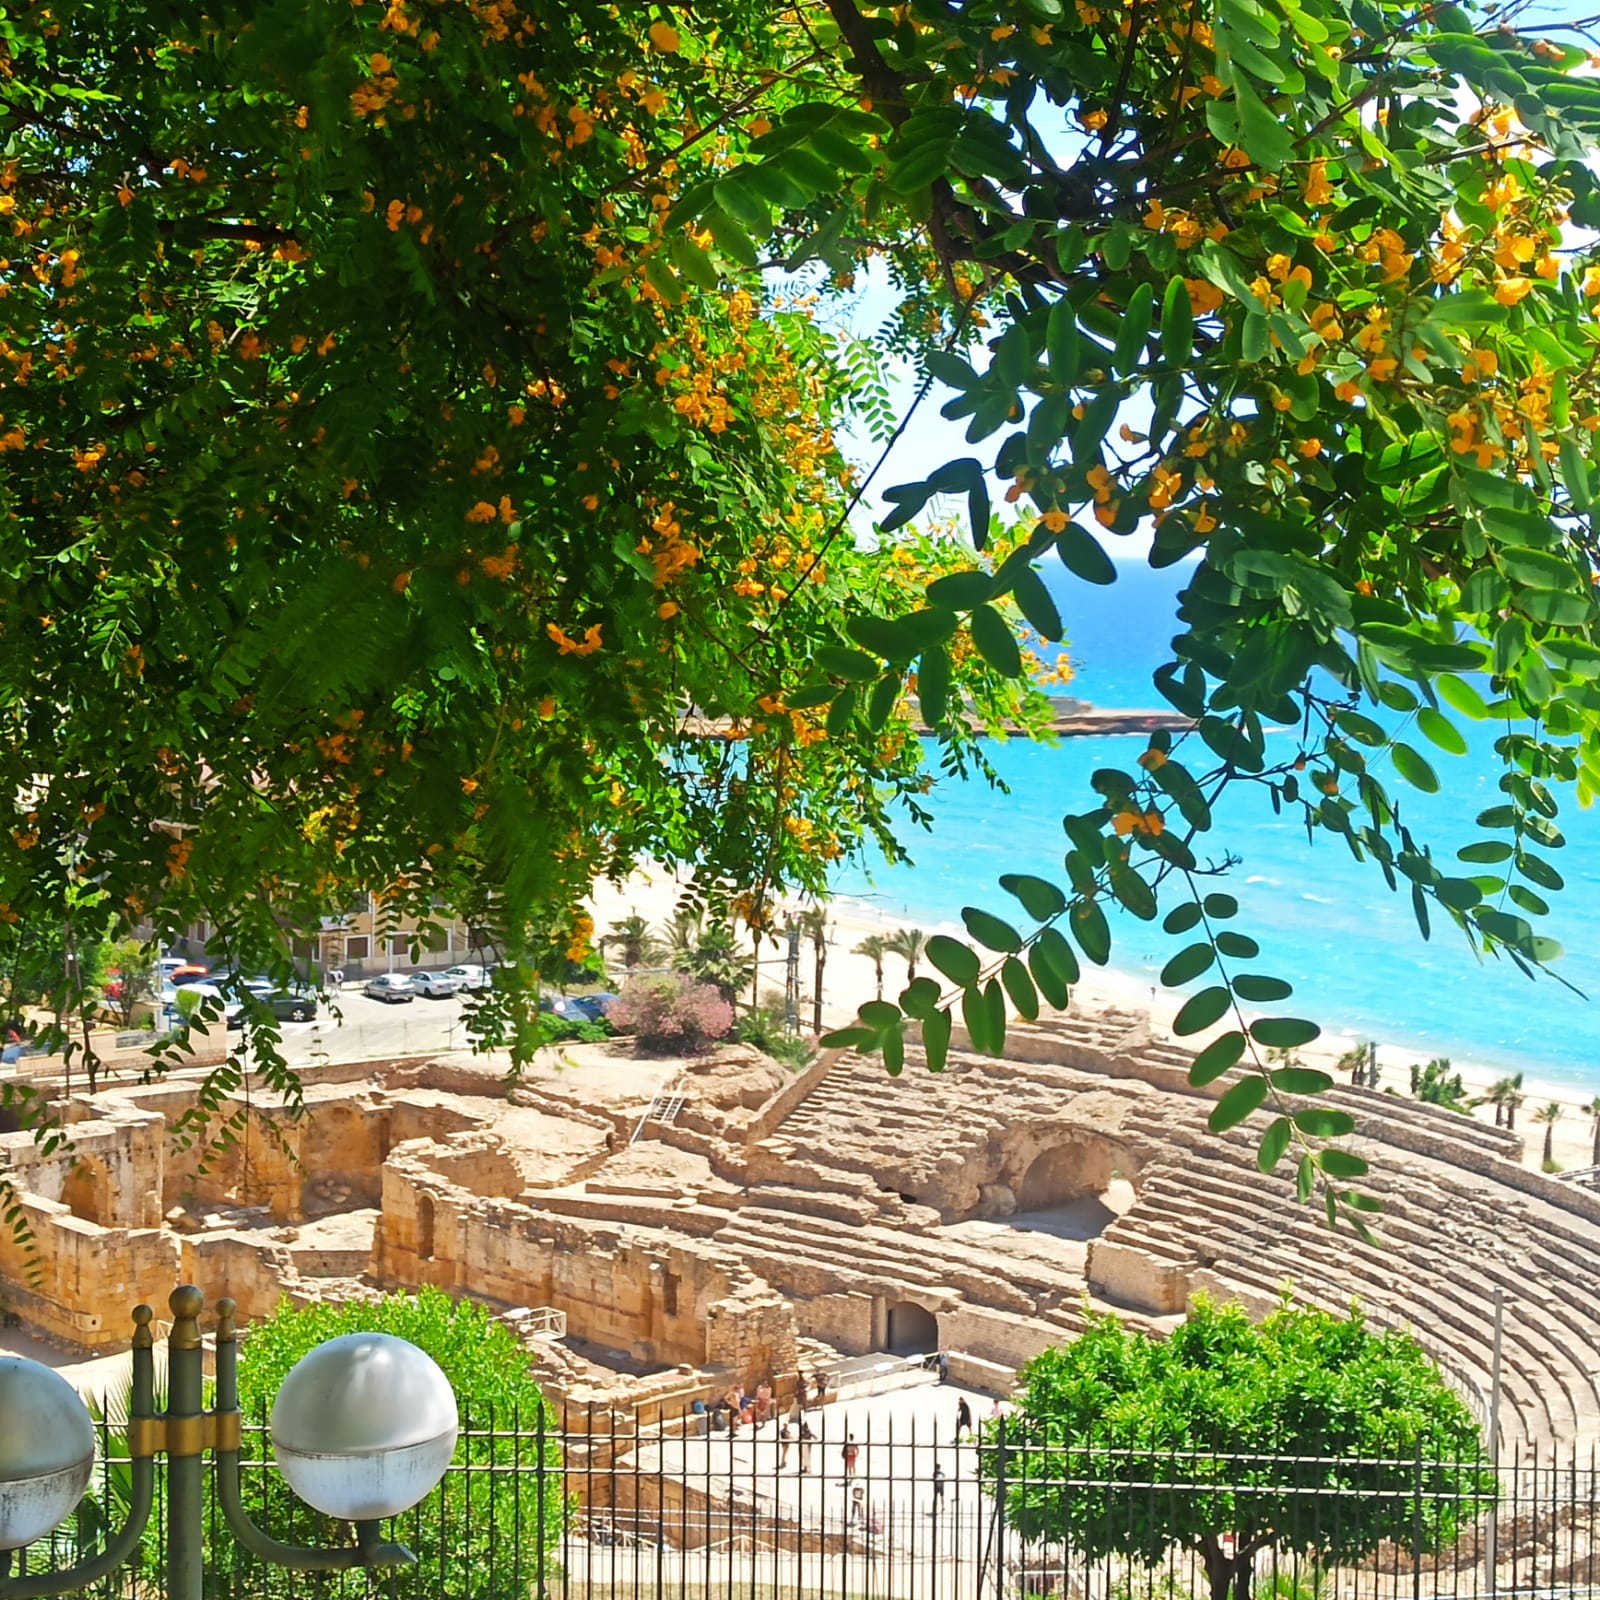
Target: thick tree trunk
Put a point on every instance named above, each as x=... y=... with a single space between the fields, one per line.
x=1228 y=1577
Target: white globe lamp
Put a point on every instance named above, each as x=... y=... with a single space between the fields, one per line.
x=46 y=1451
x=364 y=1426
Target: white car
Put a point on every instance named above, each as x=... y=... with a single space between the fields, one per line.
x=469 y=977
x=232 y=1009
x=395 y=987
x=436 y=985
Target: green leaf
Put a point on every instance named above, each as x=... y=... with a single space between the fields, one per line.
x=1201 y=1010
x=957 y=961
x=1342 y=1164
x=1050 y=983
x=1188 y=964
x=975 y=1014
x=1249 y=1094
x=933 y=685
x=1089 y=925
x=1458 y=694
x=1300 y=1080
x=920 y=998
x=1020 y=988
x=995 y=641
x=1135 y=328
x=1415 y=769
x=1221 y=1056
x=1177 y=323
x=1324 y=1122
x=1283 y=1033
x=1040 y=899
x=1082 y=556
x=1262 y=134
x=1238 y=945
x=1259 y=989
x=894 y=1052
x=1305 y=1178
x=1182 y=917
x=1034 y=602
x=849 y=1038
x=1062 y=343
x=883 y=636
x=1441 y=731
x=1052 y=948
x=990 y=931
x=840 y=714
x=960 y=591
x=1274 y=1143
x=856 y=666
x=936 y=1040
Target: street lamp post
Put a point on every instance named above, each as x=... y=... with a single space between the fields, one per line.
x=363 y=1428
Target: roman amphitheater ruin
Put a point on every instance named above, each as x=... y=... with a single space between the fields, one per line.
x=658 y=1229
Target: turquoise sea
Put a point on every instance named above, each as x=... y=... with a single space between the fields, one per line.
x=1325 y=922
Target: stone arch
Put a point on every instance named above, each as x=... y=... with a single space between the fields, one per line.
x=910 y=1329
x=1064 y=1173
x=425 y=1227
x=84 y=1193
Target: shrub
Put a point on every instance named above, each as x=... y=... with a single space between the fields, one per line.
x=464 y=1535
x=767 y=1029
x=670 y=1013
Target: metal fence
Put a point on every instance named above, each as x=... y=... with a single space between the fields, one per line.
x=853 y=1508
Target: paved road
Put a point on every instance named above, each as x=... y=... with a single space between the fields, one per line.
x=360 y=1029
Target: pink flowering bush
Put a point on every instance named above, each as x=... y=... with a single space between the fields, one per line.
x=670 y=1014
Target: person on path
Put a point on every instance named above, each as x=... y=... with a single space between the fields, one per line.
x=801 y=1393
x=963 y=1419
x=938 y=1489
x=858 y=1503
x=806 y=1437
x=944 y=1366
x=850 y=1452
x=763 y=1404
x=788 y=1443
x=734 y=1401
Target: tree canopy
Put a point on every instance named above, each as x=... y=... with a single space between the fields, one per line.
x=1306 y=1433
x=418 y=480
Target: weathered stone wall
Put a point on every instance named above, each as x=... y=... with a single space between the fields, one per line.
x=110 y=1173
x=653 y=1300
x=77 y=1283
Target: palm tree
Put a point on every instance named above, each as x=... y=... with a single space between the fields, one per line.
x=638 y=945
x=814 y=926
x=1549 y=1115
x=875 y=947
x=910 y=944
x=1593 y=1108
x=1514 y=1100
x=1502 y=1093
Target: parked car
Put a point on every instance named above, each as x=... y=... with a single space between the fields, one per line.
x=170 y=966
x=232 y=1008
x=394 y=987
x=469 y=977
x=436 y=985
x=591 y=1007
x=292 y=1005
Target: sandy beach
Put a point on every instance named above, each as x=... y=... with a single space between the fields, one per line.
x=848 y=980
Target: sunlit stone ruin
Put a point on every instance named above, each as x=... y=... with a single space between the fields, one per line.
x=656 y=1230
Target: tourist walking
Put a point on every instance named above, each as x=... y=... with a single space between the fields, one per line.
x=806 y=1438
x=850 y=1452
x=788 y=1442
x=938 y=1489
x=963 y=1419
x=944 y=1366
x=800 y=1391
x=858 y=1503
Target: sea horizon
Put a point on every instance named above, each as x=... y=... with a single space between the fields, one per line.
x=1329 y=925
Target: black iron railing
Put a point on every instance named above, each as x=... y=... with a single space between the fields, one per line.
x=592 y=1507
